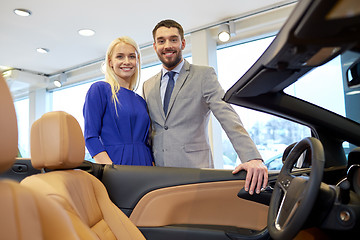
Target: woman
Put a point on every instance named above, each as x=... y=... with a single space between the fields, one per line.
x=116 y=118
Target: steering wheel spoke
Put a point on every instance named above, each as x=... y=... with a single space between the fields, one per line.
x=293 y=187
x=284 y=182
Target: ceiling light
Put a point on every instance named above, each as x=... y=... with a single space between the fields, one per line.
x=22 y=12
x=226 y=31
x=6 y=74
x=42 y=50
x=57 y=83
x=4 y=68
x=60 y=80
x=86 y=32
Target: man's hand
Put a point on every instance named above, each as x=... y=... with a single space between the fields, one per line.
x=257 y=175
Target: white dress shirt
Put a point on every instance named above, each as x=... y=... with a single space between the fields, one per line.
x=165 y=78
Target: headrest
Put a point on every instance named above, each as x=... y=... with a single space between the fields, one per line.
x=56 y=142
x=8 y=127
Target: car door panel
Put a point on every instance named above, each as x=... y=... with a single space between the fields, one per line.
x=202 y=232
x=176 y=202
x=212 y=203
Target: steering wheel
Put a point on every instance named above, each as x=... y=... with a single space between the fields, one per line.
x=294 y=197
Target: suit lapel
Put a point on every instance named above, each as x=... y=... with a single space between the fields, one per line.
x=157 y=95
x=183 y=74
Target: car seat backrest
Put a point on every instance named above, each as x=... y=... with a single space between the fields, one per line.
x=57 y=143
x=8 y=128
x=25 y=214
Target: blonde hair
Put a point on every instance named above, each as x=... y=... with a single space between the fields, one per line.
x=110 y=75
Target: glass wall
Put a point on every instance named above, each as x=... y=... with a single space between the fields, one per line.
x=71 y=99
x=22 y=114
x=271 y=134
x=234 y=61
x=329 y=75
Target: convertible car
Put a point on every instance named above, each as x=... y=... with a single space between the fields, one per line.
x=315 y=195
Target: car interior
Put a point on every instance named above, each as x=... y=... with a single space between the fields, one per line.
x=57 y=143
x=25 y=214
x=316 y=194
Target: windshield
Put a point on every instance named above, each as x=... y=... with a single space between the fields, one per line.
x=326 y=86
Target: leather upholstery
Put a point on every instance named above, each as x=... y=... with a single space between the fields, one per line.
x=25 y=214
x=51 y=144
x=57 y=142
x=8 y=128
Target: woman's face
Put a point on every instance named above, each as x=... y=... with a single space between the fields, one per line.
x=124 y=61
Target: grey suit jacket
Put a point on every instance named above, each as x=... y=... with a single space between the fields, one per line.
x=180 y=139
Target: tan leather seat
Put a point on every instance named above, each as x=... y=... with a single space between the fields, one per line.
x=24 y=214
x=57 y=142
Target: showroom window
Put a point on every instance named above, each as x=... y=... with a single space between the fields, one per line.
x=71 y=99
x=327 y=75
x=334 y=98
x=271 y=134
x=22 y=115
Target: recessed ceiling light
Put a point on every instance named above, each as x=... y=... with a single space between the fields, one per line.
x=86 y=32
x=22 y=12
x=42 y=50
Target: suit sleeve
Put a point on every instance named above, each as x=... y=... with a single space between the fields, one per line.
x=228 y=118
x=94 y=109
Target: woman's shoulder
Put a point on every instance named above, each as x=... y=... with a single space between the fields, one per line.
x=100 y=84
x=99 y=89
x=139 y=97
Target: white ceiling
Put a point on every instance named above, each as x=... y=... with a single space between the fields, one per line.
x=54 y=25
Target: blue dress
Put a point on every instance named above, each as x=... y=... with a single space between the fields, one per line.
x=123 y=135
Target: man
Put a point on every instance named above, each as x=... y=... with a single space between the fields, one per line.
x=180 y=116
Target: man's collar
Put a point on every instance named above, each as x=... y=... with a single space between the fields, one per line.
x=176 y=69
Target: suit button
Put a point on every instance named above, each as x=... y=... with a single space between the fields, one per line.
x=166 y=127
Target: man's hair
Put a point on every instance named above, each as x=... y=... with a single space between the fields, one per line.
x=169 y=24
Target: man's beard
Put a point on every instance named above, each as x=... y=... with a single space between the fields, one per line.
x=171 y=64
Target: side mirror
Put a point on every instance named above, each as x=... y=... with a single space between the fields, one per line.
x=353 y=75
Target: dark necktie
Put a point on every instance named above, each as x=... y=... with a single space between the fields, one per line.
x=169 y=89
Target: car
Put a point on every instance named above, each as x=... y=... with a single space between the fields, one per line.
x=274 y=163
x=315 y=195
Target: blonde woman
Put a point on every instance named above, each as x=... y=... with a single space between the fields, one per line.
x=116 y=118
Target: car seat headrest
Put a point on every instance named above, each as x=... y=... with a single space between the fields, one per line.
x=56 y=142
x=8 y=127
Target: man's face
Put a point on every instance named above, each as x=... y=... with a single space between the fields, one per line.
x=168 y=45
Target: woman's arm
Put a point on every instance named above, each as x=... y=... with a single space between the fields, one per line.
x=102 y=158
